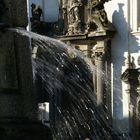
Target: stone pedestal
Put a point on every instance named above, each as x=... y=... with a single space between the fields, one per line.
x=18 y=102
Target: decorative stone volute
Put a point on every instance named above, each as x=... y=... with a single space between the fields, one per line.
x=97 y=19
x=130 y=76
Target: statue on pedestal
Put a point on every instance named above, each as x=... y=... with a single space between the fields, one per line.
x=74 y=15
x=74 y=18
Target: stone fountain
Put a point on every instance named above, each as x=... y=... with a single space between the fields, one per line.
x=90 y=32
x=18 y=104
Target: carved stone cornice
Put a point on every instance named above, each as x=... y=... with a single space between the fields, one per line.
x=130 y=76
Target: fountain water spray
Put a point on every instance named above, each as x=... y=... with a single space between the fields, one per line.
x=67 y=80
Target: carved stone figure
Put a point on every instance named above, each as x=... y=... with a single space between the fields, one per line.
x=74 y=15
x=84 y=16
x=74 y=20
x=98 y=17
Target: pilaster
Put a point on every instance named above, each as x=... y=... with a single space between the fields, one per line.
x=100 y=59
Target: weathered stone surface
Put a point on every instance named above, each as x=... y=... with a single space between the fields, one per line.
x=16 y=74
x=24 y=131
x=18 y=102
x=16 y=13
x=8 y=62
x=8 y=105
x=8 y=74
x=19 y=13
x=28 y=99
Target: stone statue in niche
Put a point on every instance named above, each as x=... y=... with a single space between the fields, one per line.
x=97 y=20
x=74 y=17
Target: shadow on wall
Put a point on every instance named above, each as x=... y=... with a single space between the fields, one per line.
x=124 y=40
x=120 y=47
x=119 y=44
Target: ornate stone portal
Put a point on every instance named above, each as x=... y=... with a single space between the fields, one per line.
x=87 y=28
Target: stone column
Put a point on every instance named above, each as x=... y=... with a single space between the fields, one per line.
x=100 y=60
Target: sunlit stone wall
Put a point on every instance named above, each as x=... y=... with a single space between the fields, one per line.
x=123 y=15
